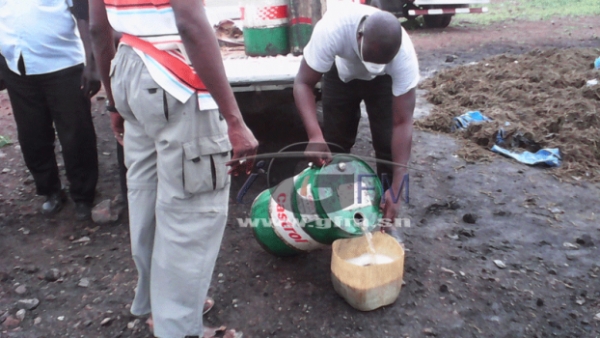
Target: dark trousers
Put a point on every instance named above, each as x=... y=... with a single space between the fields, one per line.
x=41 y=103
x=122 y=171
x=341 y=114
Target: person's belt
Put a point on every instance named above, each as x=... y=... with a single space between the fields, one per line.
x=181 y=70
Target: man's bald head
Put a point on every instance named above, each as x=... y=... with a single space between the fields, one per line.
x=382 y=33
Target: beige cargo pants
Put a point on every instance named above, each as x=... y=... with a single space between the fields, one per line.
x=178 y=191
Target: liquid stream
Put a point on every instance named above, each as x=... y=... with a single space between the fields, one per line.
x=371 y=257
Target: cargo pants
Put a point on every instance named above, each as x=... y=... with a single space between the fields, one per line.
x=178 y=193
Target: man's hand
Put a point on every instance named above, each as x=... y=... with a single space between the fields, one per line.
x=391 y=205
x=90 y=80
x=244 y=149
x=116 y=123
x=318 y=153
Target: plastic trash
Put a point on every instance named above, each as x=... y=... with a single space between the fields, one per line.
x=597 y=63
x=591 y=83
x=501 y=135
x=4 y=141
x=463 y=121
x=548 y=156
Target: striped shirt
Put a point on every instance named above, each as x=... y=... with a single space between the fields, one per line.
x=154 y=21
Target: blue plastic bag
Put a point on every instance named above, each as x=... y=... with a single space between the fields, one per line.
x=597 y=63
x=463 y=121
x=501 y=135
x=548 y=156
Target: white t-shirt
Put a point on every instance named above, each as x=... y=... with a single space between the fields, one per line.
x=334 y=40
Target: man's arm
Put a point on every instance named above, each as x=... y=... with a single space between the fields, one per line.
x=403 y=107
x=203 y=50
x=90 y=82
x=307 y=78
x=104 y=49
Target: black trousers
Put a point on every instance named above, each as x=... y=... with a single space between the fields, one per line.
x=341 y=114
x=41 y=103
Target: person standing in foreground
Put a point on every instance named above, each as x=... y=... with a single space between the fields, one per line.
x=168 y=83
x=47 y=65
x=365 y=55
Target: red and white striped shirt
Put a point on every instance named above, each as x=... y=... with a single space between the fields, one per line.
x=154 y=22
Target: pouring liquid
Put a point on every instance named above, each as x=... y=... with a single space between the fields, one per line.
x=369 y=238
x=371 y=257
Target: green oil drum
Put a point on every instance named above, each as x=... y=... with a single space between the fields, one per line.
x=302 y=15
x=314 y=208
x=274 y=225
x=339 y=200
x=266 y=30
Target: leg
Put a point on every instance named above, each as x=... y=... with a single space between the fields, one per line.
x=140 y=159
x=190 y=219
x=185 y=251
x=378 y=99
x=140 y=156
x=34 y=128
x=71 y=113
x=190 y=203
x=341 y=111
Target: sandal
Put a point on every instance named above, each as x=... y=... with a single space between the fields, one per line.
x=208 y=305
x=211 y=333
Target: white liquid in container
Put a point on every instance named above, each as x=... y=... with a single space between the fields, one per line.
x=367 y=259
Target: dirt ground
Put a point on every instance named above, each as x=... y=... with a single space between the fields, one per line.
x=532 y=104
x=464 y=217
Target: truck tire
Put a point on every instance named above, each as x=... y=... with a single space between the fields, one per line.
x=437 y=21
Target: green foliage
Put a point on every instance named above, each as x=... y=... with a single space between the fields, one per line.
x=505 y=10
x=4 y=141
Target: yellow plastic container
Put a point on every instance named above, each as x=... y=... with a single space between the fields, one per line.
x=368 y=287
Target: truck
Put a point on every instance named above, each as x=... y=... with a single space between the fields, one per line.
x=258 y=82
x=263 y=85
x=436 y=13
x=261 y=81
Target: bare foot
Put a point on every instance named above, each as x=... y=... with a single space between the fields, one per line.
x=150 y=324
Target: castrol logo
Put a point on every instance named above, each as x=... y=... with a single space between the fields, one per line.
x=285 y=224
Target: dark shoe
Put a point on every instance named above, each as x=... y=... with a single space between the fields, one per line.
x=54 y=203
x=83 y=211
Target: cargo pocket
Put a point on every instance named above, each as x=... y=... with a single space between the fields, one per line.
x=204 y=162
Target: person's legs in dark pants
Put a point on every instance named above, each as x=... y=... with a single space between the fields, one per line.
x=38 y=101
x=35 y=130
x=341 y=111
x=71 y=113
x=378 y=99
